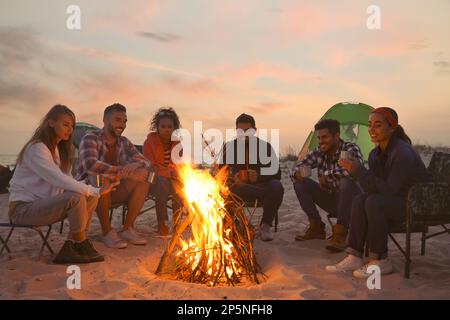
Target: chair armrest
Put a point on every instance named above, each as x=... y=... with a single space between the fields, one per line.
x=429 y=203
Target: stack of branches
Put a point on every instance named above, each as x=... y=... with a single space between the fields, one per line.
x=192 y=264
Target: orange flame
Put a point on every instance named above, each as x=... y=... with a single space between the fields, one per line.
x=209 y=246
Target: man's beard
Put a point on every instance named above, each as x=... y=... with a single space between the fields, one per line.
x=112 y=132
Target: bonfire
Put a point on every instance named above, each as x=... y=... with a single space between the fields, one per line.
x=212 y=243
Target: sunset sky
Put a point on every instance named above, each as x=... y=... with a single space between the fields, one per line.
x=285 y=62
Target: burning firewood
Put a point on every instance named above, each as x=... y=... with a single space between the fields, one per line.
x=217 y=248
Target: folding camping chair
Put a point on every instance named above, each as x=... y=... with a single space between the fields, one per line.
x=144 y=210
x=427 y=205
x=13 y=226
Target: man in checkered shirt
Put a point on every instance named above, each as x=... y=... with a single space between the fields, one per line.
x=335 y=189
x=107 y=153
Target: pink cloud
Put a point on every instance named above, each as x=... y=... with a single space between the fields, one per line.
x=252 y=71
x=391 y=46
x=338 y=58
x=123 y=59
x=195 y=88
x=309 y=20
x=255 y=70
x=266 y=107
x=399 y=43
x=101 y=90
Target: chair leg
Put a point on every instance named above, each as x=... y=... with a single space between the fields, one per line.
x=61 y=227
x=45 y=240
x=422 y=250
x=408 y=251
x=111 y=214
x=5 y=242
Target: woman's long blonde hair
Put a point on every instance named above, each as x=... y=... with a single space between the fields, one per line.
x=46 y=134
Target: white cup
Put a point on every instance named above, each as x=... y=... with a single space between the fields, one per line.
x=344 y=155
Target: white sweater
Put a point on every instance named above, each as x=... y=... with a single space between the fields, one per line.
x=39 y=177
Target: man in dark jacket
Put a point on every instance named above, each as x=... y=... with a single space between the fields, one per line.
x=254 y=171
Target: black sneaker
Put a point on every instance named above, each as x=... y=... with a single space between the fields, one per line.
x=68 y=254
x=86 y=249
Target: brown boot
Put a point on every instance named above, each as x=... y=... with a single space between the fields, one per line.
x=338 y=241
x=316 y=230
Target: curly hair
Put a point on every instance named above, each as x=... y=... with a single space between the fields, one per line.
x=164 y=113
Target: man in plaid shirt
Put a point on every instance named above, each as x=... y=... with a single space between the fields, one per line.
x=335 y=189
x=107 y=153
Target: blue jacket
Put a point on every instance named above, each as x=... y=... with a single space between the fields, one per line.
x=393 y=171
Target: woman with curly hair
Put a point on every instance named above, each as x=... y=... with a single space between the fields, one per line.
x=158 y=149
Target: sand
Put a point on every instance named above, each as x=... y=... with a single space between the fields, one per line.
x=295 y=270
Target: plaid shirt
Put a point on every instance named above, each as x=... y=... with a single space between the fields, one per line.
x=93 y=151
x=328 y=166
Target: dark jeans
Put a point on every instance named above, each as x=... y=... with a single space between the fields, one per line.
x=371 y=215
x=270 y=193
x=162 y=189
x=337 y=204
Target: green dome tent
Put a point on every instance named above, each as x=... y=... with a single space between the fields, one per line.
x=353 y=117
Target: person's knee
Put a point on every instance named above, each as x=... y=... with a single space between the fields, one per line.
x=73 y=195
x=136 y=186
x=129 y=184
x=76 y=198
x=142 y=186
x=78 y=212
x=140 y=190
x=104 y=199
x=302 y=186
x=91 y=202
x=349 y=188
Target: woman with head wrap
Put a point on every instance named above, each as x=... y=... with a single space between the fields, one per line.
x=394 y=166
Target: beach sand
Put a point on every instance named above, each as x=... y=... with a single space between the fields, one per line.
x=295 y=270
